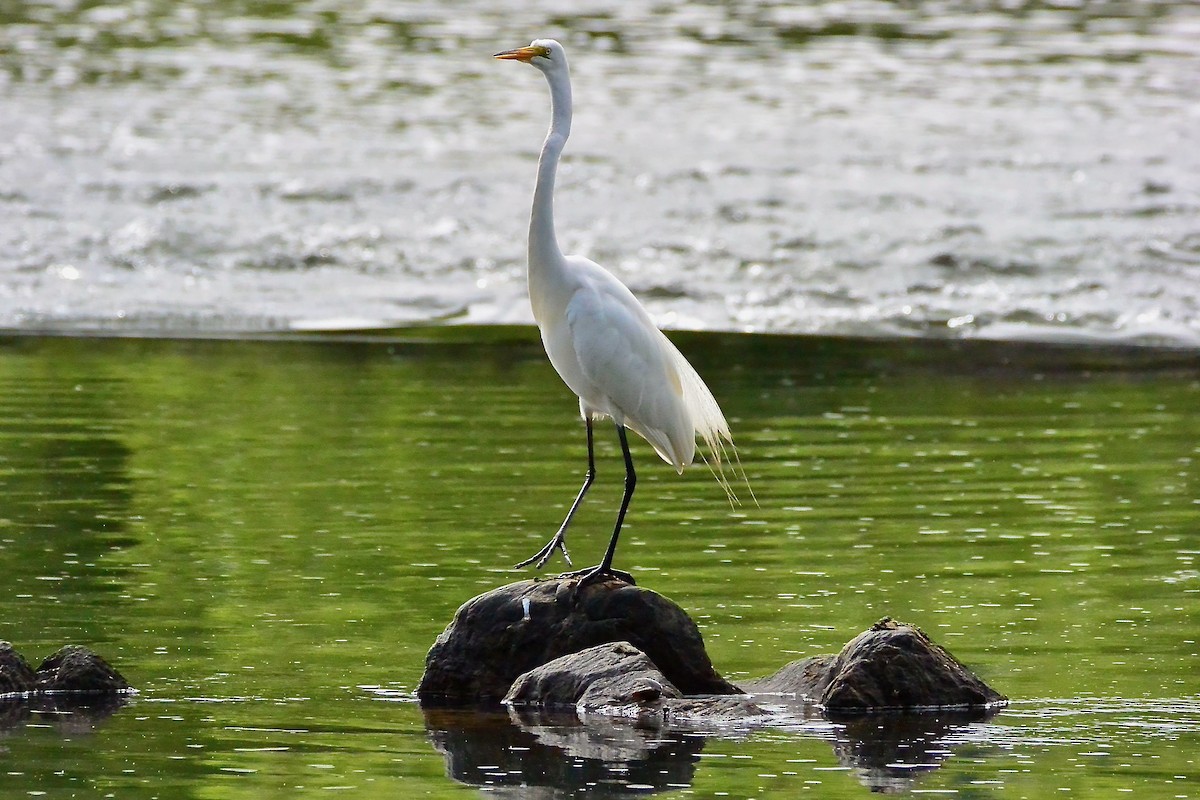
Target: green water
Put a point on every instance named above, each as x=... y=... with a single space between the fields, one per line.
x=265 y=537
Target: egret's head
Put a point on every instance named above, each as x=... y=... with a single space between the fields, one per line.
x=545 y=54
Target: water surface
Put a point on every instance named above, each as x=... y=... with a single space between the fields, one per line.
x=266 y=537
x=945 y=168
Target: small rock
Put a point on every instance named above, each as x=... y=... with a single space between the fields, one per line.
x=614 y=674
x=501 y=634
x=891 y=666
x=75 y=668
x=16 y=676
x=617 y=679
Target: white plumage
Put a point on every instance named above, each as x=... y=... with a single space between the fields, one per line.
x=601 y=340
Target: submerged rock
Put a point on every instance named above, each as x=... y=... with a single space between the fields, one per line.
x=891 y=666
x=499 y=635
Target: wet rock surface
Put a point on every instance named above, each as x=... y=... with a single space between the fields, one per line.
x=499 y=635
x=573 y=721
x=75 y=690
x=615 y=674
x=891 y=666
x=618 y=679
x=16 y=676
x=73 y=669
x=613 y=648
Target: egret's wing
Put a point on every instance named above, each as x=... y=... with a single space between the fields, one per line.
x=707 y=420
x=702 y=407
x=642 y=379
x=621 y=354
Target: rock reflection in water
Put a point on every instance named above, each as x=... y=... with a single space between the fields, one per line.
x=619 y=755
x=69 y=715
x=611 y=756
x=890 y=753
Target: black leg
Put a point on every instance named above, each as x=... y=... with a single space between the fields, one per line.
x=605 y=566
x=558 y=541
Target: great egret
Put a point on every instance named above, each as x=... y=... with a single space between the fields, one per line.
x=602 y=342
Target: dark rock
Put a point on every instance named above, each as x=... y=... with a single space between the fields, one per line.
x=614 y=674
x=617 y=679
x=892 y=666
x=75 y=668
x=807 y=679
x=612 y=708
x=615 y=648
x=75 y=686
x=16 y=676
x=718 y=712
x=493 y=639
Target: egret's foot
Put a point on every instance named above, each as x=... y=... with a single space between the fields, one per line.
x=597 y=574
x=539 y=559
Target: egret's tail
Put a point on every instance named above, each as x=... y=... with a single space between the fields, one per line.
x=718 y=449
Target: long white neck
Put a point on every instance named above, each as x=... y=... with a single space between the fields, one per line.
x=544 y=253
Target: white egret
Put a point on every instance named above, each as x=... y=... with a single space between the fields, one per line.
x=602 y=342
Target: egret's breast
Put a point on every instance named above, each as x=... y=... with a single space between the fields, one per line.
x=560 y=349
